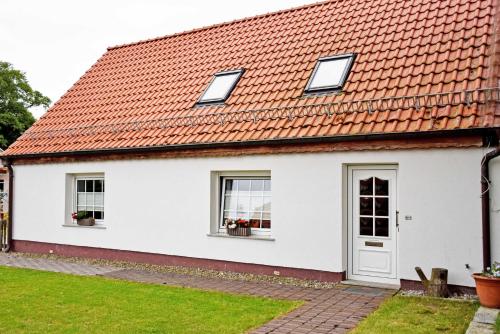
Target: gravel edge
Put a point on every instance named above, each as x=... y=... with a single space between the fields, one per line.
x=192 y=271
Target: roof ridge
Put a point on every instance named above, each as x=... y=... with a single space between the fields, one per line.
x=216 y=25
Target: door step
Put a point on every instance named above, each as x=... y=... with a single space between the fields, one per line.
x=371 y=284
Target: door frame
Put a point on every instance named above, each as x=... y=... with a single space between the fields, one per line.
x=349 y=243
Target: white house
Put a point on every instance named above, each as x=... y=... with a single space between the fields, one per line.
x=349 y=135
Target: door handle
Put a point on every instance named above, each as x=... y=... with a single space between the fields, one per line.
x=397 y=219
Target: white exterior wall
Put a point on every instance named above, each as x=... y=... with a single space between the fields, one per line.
x=163 y=206
x=495 y=208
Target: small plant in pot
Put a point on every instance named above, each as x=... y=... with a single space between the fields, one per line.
x=488 y=286
x=238 y=227
x=83 y=218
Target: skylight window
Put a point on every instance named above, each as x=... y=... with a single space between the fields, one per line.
x=220 y=87
x=330 y=73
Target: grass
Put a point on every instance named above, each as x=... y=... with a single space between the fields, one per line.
x=401 y=314
x=497 y=326
x=43 y=302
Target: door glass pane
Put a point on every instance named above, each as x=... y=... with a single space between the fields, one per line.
x=365 y=226
x=366 y=206
x=381 y=206
x=382 y=227
x=381 y=187
x=366 y=186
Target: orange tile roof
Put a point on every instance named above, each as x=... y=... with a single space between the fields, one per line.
x=143 y=94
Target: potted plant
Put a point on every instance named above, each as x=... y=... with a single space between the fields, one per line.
x=238 y=227
x=488 y=286
x=83 y=218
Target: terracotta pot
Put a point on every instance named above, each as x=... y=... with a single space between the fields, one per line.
x=86 y=222
x=488 y=290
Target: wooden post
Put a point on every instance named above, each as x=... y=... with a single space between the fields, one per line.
x=437 y=286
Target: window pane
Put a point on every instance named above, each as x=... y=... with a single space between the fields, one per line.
x=80 y=199
x=89 y=186
x=366 y=186
x=243 y=185
x=257 y=185
x=80 y=186
x=365 y=226
x=381 y=187
x=244 y=203
x=366 y=206
x=219 y=87
x=255 y=223
x=267 y=204
x=98 y=214
x=256 y=204
x=242 y=215
x=230 y=203
x=230 y=186
x=98 y=186
x=266 y=220
x=267 y=185
x=329 y=73
x=90 y=199
x=381 y=206
x=382 y=227
x=99 y=199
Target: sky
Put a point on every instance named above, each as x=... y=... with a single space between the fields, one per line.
x=55 y=41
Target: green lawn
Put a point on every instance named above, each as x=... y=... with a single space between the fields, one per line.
x=402 y=314
x=43 y=302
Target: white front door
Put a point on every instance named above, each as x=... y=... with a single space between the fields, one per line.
x=373 y=225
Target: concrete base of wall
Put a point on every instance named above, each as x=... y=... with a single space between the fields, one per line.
x=173 y=260
x=454 y=289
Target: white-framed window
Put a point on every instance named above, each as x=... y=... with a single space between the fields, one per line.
x=330 y=73
x=220 y=87
x=248 y=198
x=89 y=196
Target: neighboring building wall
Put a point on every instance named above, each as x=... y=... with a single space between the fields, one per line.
x=163 y=206
x=4 y=177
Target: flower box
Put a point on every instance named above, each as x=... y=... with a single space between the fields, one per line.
x=239 y=231
x=86 y=222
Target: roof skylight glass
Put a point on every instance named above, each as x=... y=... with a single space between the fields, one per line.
x=330 y=73
x=220 y=87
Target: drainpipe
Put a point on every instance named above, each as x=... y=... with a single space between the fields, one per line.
x=485 y=205
x=10 y=199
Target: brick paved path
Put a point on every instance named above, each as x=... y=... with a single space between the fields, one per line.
x=335 y=310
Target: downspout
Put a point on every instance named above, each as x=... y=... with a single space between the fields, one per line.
x=485 y=205
x=10 y=199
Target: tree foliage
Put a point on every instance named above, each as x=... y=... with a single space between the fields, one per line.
x=16 y=97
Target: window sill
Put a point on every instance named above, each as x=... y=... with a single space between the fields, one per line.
x=97 y=227
x=250 y=237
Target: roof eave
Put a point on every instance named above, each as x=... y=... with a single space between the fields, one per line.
x=490 y=132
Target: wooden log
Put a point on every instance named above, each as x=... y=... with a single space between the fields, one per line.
x=437 y=286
